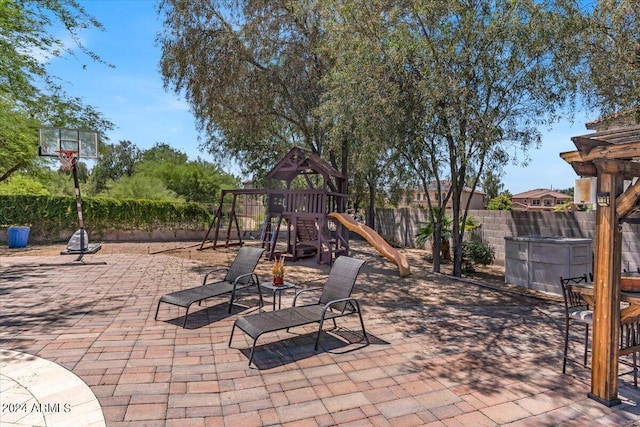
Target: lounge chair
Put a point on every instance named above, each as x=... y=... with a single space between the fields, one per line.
x=239 y=276
x=335 y=301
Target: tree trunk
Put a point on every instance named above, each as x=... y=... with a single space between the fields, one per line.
x=437 y=247
x=371 y=221
x=445 y=250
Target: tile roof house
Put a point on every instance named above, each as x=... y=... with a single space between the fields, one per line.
x=540 y=199
x=620 y=119
x=417 y=197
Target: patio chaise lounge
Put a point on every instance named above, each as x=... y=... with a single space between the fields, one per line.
x=239 y=275
x=335 y=301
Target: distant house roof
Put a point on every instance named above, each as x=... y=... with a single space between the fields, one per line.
x=445 y=185
x=539 y=193
x=628 y=117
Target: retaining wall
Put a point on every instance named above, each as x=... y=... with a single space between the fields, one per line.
x=401 y=225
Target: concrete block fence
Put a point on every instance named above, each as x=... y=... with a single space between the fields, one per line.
x=400 y=226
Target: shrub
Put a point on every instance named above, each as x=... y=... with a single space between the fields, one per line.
x=478 y=253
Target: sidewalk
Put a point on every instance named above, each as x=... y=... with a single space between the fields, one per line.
x=443 y=352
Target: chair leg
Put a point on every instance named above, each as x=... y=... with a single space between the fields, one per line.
x=253 y=348
x=260 y=297
x=319 y=331
x=184 y=324
x=566 y=346
x=635 y=370
x=157 y=310
x=233 y=296
x=233 y=328
x=366 y=337
x=586 y=344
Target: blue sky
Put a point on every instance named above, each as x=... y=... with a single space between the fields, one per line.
x=131 y=95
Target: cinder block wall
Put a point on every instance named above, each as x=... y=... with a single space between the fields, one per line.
x=401 y=225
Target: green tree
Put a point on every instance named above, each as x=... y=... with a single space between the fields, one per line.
x=501 y=202
x=140 y=186
x=568 y=191
x=22 y=184
x=196 y=181
x=164 y=153
x=491 y=184
x=251 y=71
x=18 y=140
x=482 y=78
x=29 y=95
x=116 y=161
x=611 y=55
x=425 y=234
x=369 y=111
x=57 y=182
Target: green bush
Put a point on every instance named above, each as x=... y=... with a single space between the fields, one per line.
x=48 y=215
x=478 y=253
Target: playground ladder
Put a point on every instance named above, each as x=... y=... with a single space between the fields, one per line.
x=270 y=232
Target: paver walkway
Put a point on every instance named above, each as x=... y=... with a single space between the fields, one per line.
x=443 y=352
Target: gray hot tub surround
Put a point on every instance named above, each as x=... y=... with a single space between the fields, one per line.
x=537 y=262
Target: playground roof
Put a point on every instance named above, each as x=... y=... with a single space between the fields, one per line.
x=299 y=162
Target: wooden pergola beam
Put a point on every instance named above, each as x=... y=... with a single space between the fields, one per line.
x=612 y=151
x=618 y=162
x=626 y=203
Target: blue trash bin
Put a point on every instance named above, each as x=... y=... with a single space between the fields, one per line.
x=18 y=237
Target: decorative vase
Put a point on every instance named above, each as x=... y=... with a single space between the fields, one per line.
x=278 y=281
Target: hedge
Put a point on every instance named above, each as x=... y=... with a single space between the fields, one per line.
x=51 y=214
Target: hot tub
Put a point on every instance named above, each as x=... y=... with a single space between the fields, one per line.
x=537 y=262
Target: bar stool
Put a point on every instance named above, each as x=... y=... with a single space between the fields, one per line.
x=630 y=345
x=577 y=311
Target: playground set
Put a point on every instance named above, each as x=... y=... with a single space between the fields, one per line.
x=297 y=222
x=302 y=209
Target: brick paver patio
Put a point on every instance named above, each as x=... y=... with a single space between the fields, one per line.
x=443 y=352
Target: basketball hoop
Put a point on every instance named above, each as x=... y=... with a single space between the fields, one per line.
x=67 y=159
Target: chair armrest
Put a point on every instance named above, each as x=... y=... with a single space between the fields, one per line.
x=242 y=276
x=215 y=270
x=295 y=298
x=354 y=302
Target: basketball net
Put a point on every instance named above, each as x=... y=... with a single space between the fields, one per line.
x=67 y=159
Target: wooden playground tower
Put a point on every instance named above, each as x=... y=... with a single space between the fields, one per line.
x=300 y=212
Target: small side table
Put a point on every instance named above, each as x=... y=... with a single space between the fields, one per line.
x=277 y=290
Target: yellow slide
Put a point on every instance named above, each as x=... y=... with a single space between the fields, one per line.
x=374 y=240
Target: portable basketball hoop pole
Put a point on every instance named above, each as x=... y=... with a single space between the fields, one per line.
x=68 y=145
x=76 y=185
x=69 y=160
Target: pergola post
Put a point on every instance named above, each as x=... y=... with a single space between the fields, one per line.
x=610 y=155
x=608 y=248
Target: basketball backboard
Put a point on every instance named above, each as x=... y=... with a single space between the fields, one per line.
x=53 y=140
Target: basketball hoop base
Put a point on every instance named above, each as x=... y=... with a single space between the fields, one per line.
x=76 y=247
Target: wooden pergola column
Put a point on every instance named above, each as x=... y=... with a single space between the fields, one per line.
x=608 y=249
x=613 y=156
